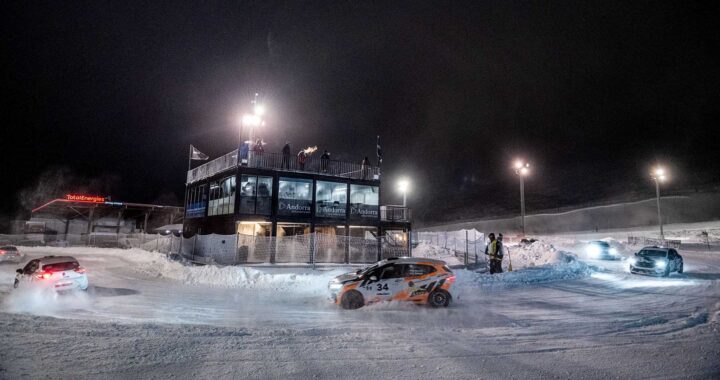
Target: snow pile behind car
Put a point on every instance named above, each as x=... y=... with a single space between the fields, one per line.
x=533 y=263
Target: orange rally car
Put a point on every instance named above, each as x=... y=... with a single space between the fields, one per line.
x=423 y=281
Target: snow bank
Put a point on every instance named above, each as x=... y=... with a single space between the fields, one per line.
x=534 y=263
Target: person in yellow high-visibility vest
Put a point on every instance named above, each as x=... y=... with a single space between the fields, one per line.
x=494 y=252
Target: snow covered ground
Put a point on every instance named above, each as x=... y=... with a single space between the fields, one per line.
x=557 y=315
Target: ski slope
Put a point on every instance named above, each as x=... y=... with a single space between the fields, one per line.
x=558 y=315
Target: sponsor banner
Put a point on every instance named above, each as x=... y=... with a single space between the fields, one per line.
x=294 y=207
x=331 y=210
x=359 y=210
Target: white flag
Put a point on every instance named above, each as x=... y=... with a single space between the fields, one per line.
x=197 y=155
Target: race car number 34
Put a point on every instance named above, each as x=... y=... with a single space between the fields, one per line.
x=379 y=287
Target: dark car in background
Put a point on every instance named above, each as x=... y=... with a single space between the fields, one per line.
x=656 y=261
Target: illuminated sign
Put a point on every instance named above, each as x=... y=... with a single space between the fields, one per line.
x=85 y=198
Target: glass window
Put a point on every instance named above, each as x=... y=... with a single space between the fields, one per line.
x=419 y=270
x=295 y=196
x=364 y=201
x=196 y=199
x=222 y=196
x=256 y=195
x=330 y=199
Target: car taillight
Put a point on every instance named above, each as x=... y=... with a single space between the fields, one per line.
x=80 y=270
x=2 y=251
x=451 y=279
x=44 y=275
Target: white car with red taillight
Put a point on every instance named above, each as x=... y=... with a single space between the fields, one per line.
x=10 y=253
x=53 y=272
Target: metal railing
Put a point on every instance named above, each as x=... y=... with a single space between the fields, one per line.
x=213 y=167
x=290 y=163
x=395 y=214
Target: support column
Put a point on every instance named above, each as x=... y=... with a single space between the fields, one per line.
x=90 y=226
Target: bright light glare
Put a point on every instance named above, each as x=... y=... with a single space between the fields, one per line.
x=660 y=264
x=403 y=185
x=613 y=251
x=593 y=250
x=251 y=120
x=524 y=171
x=659 y=172
x=518 y=164
x=259 y=110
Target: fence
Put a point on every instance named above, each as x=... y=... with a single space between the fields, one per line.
x=308 y=249
x=463 y=247
x=641 y=240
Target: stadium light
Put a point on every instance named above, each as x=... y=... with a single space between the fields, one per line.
x=659 y=175
x=522 y=169
x=259 y=109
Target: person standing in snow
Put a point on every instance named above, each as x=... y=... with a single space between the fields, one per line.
x=286 y=156
x=491 y=250
x=500 y=253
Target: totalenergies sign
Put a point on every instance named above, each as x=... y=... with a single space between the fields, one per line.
x=85 y=198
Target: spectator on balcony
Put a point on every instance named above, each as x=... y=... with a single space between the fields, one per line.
x=302 y=157
x=324 y=161
x=244 y=150
x=365 y=168
x=258 y=147
x=286 y=156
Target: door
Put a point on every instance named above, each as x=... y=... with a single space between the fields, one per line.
x=389 y=282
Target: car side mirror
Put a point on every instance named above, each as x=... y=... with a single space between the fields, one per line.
x=19 y=271
x=373 y=278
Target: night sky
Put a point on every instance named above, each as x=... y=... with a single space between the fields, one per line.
x=593 y=94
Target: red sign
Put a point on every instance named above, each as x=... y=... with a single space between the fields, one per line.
x=85 y=198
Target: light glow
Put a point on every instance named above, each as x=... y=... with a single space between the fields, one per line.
x=403 y=185
x=259 y=110
x=251 y=120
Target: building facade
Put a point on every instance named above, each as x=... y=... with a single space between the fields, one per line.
x=275 y=199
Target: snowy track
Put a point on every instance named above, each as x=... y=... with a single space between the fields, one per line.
x=150 y=318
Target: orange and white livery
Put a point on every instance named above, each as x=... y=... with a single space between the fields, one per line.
x=423 y=281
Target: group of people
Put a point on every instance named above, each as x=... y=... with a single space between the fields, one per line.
x=495 y=250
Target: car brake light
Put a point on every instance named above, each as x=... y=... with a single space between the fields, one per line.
x=80 y=270
x=2 y=252
x=44 y=275
x=451 y=279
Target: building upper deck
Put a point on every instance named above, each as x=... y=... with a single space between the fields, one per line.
x=287 y=163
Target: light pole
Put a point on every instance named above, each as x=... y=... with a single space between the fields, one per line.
x=522 y=169
x=403 y=186
x=658 y=175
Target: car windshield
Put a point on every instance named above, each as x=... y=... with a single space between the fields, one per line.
x=601 y=244
x=58 y=267
x=8 y=248
x=652 y=253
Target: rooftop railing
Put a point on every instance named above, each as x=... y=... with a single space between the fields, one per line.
x=395 y=214
x=289 y=163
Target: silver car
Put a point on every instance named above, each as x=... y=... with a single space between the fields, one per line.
x=656 y=261
x=10 y=253
x=59 y=273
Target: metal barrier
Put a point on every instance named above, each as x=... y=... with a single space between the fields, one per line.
x=282 y=162
x=641 y=240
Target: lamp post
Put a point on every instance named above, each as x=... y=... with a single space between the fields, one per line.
x=522 y=169
x=403 y=187
x=659 y=175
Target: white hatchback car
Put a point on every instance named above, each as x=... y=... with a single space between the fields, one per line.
x=60 y=273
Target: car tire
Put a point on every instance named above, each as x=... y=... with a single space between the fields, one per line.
x=351 y=300
x=666 y=273
x=439 y=298
x=680 y=268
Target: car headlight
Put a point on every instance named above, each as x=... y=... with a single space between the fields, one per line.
x=613 y=251
x=661 y=264
x=334 y=286
x=593 y=250
x=632 y=261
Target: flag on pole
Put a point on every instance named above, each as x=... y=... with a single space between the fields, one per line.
x=379 y=151
x=197 y=155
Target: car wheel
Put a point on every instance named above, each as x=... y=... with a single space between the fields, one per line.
x=352 y=300
x=680 y=268
x=667 y=272
x=439 y=298
x=16 y=283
